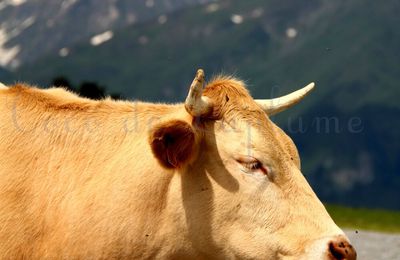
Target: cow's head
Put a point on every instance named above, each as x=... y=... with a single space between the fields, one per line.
x=243 y=192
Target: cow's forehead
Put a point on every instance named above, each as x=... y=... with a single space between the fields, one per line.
x=249 y=121
x=247 y=133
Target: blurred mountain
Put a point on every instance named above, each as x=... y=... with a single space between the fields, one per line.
x=347 y=131
x=5 y=75
x=29 y=29
x=342 y=44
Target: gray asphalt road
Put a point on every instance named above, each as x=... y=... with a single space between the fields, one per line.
x=375 y=246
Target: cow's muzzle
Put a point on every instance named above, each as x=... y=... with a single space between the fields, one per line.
x=340 y=249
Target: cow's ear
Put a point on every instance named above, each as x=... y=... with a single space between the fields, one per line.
x=173 y=143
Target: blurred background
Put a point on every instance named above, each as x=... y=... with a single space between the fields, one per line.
x=347 y=130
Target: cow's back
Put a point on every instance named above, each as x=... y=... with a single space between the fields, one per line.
x=74 y=168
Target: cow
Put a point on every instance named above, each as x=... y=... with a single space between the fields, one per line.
x=213 y=178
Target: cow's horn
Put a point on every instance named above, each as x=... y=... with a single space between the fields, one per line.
x=276 y=105
x=2 y=85
x=196 y=104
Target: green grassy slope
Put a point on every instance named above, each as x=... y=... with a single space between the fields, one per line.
x=365 y=219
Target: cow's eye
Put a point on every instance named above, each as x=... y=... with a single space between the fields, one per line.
x=250 y=163
x=253 y=165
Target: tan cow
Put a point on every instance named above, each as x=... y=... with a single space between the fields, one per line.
x=213 y=178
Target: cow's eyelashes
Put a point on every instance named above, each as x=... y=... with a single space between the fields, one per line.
x=250 y=164
x=256 y=165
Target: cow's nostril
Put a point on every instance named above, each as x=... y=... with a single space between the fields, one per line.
x=340 y=249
